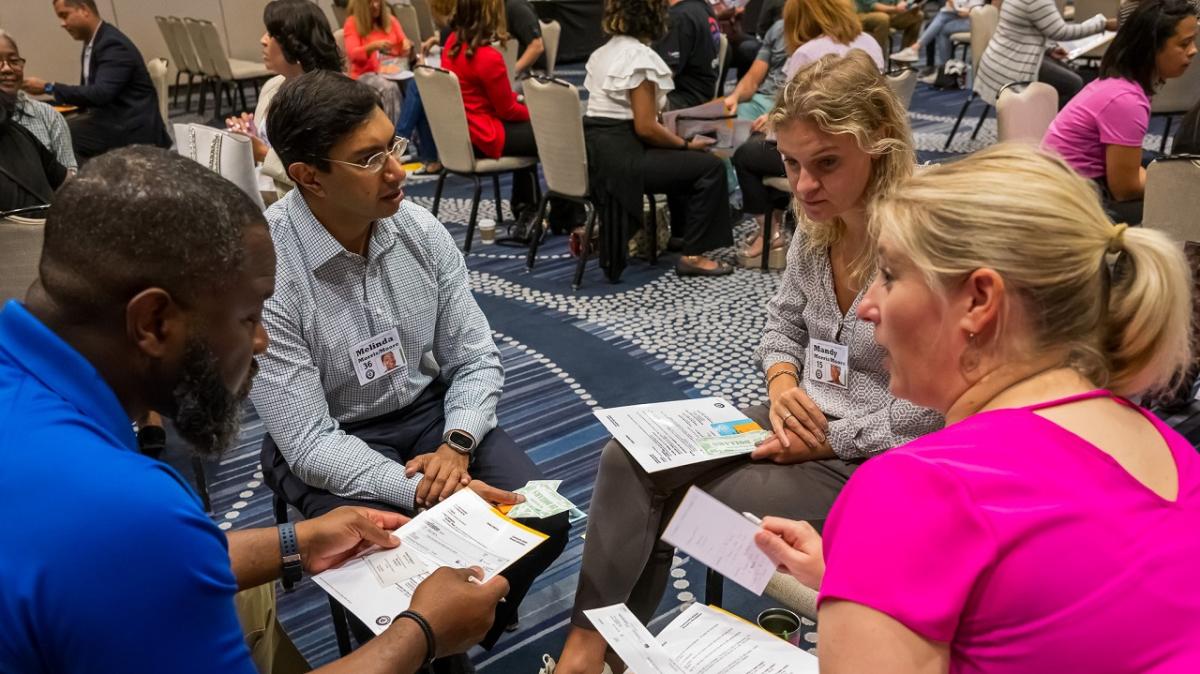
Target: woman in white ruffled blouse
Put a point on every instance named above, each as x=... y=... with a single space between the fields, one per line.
x=630 y=152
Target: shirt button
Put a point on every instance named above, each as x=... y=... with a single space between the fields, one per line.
x=378 y=312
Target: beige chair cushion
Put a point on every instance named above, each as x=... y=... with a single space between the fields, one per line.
x=248 y=70
x=1025 y=116
x=556 y=115
x=960 y=38
x=777 y=183
x=503 y=164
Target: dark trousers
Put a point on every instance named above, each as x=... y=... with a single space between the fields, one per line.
x=697 y=194
x=91 y=138
x=415 y=430
x=1065 y=81
x=754 y=160
x=518 y=142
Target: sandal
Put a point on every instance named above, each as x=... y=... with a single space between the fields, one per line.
x=776 y=258
x=426 y=171
x=685 y=268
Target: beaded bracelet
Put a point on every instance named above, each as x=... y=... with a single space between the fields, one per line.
x=795 y=375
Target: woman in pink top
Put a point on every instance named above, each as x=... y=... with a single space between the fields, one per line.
x=1100 y=132
x=372 y=30
x=1052 y=526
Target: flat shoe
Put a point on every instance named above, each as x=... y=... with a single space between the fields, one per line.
x=687 y=269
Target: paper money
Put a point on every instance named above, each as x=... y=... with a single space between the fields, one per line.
x=541 y=500
x=393 y=567
x=742 y=443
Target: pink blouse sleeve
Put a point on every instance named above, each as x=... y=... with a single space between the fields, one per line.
x=906 y=539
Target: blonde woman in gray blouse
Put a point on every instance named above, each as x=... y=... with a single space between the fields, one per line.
x=844 y=139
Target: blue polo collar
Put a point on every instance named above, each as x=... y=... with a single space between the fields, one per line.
x=44 y=356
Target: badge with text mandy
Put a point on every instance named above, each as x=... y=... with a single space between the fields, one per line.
x=377 y=356
x=828 y=362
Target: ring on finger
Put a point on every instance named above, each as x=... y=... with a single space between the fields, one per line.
x=787 y=416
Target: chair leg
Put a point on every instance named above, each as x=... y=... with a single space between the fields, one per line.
x=958 y=122
x=586 y=249
x=201 y=483
x=474 y=214
x=178 y=75
x=341 y=628
x=1162 y=147
x=204 y=84
x=982 y=117
x=714 y=588
x=652 y=229
x=230 y=95
x=241 y=89
x=535 y=233
x=767 y=232
x=499 y=203
x=437 y=193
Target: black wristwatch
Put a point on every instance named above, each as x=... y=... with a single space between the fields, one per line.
x=460 y=441
x=289 y=550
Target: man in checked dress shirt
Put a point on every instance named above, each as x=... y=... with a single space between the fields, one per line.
x=367 y=279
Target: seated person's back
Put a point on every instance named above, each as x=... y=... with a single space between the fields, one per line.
x=29 y=172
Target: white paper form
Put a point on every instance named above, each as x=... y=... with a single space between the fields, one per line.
x=705 y=640
x=461 y=531
x=630 y=639
x=721 y=538
x=667 y=435
x=1077 y=48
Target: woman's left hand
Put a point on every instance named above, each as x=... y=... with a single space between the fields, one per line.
x=795 y=547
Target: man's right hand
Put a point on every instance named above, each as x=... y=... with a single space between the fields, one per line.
x=494 y=496
x=459 y=611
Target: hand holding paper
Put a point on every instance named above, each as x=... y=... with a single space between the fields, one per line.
x=721 y=538
x=795 y=547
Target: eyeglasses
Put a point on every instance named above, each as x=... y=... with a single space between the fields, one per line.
x=378 y=160
x=15 y=62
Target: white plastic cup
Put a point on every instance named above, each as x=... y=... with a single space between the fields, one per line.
x=487 y=230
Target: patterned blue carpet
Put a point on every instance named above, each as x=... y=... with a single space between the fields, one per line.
x=653 y=336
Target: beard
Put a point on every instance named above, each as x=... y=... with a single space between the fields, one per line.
x=207 y=415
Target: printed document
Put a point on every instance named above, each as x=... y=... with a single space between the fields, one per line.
x=706 y=640
x=1077 y=48
x=720 y=538
x=461 y=531
x=669 y=434
x=630 y=639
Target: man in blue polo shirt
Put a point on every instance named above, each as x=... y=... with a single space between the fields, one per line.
x=150 y=290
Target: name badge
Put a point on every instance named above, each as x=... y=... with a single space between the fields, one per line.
x=828 y=362
x=377 y=356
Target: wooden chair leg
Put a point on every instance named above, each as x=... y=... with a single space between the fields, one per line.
x=714 y=588
x=201 y=483
x=535 y=232
x=437 y=193
x=958 y=122
x=1162 y=147
x=474 y=214
x=586 y=249
x=982 y=117
x=651 y=225
x=499 y=203
x=768 y=223
x=341 y=627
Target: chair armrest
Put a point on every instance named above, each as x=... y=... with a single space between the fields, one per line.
x=793 y=595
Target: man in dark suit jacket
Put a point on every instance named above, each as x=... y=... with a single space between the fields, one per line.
x=119 y=103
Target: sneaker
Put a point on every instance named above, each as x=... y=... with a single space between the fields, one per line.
x=907 y=55
x=548 y=666
x=928 y=79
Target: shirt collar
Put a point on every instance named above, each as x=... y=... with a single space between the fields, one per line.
x=99 y=27
x=318 y=245
x=45 y=357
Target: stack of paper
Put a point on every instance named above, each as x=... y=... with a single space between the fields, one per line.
x=702 y=640
x=682 y=432
x=459 y=532
x=1080 y=47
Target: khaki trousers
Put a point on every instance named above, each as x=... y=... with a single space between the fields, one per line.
x=270 y=648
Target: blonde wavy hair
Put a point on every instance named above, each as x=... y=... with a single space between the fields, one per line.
x=1026 y=215
x=361 y=11
x=848 y=95
x=805 y=20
